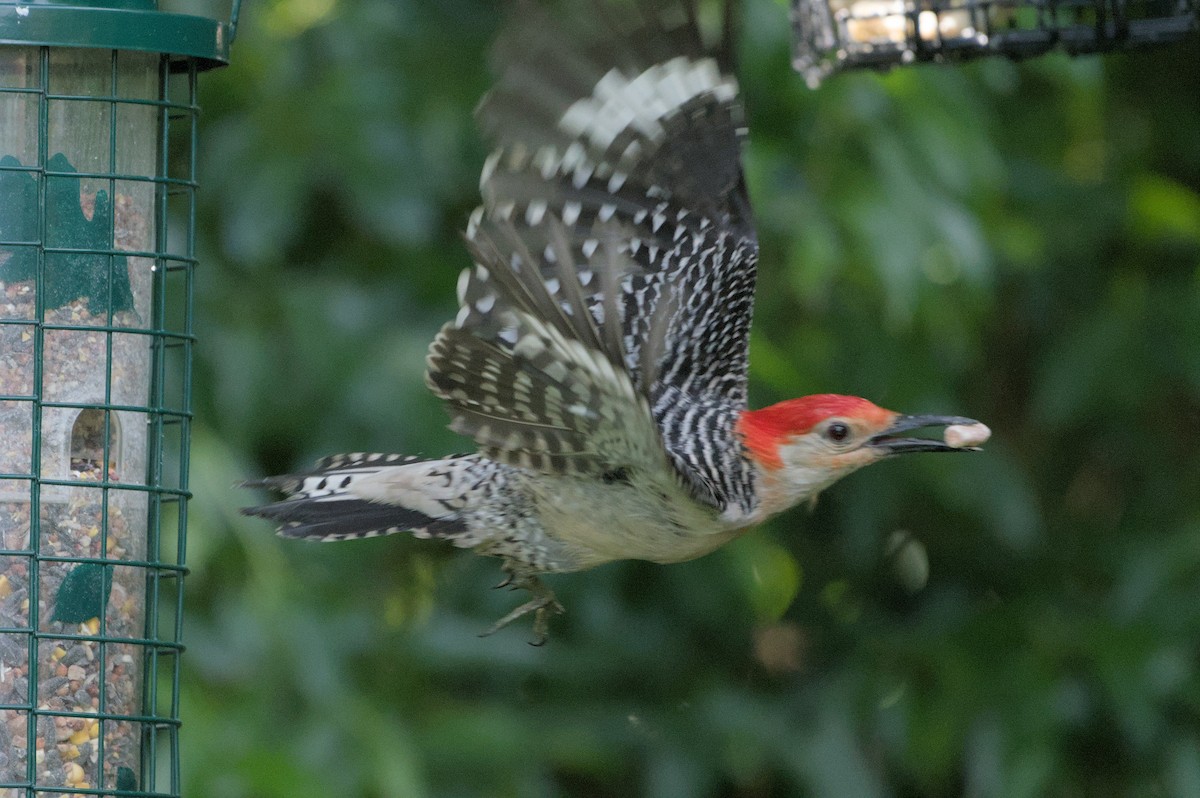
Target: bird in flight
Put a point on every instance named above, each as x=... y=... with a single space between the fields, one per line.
x=599 y=355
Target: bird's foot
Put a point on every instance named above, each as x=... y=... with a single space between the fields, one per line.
x=543 y=605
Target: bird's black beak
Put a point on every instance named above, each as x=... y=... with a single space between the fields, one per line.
x=893 y=441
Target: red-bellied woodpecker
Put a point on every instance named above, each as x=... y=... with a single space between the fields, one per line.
x=599 y=356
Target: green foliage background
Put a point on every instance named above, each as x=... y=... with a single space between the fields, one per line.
x=1017 y=243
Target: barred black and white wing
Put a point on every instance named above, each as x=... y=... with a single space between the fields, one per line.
x=528 y=372
x=618 y=159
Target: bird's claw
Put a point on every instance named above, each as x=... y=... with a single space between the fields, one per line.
x=543 y=605
x=541 y=621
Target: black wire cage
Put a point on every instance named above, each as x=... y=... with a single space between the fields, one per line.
x=832 y=35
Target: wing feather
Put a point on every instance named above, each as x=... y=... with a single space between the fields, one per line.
x=534 y=382
x=615 y=251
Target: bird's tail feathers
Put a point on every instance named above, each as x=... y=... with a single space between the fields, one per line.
x=360 y=495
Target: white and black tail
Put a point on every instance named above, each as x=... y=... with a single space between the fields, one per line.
x=351 y=496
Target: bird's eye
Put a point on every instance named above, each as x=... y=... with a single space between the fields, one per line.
x=837 y=432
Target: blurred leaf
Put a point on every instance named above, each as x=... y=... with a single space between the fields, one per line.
x=1163 y=208
x=770 y=574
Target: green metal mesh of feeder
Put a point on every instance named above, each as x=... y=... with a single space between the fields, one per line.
x=97 y=183
x=831 y=35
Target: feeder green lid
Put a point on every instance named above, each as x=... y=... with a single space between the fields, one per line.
x=116 y=25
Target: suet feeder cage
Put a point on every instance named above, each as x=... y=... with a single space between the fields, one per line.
x=831 y=35
x=97 y=184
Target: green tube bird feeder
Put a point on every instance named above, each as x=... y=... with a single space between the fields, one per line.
x=97 y=208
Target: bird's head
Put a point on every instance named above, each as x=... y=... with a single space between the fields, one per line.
x=804 y=445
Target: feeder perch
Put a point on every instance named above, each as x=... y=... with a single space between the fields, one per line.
x=831 y=35
x=97 y=183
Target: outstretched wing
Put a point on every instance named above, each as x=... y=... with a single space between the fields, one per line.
x=618 y=157
x=528 y=372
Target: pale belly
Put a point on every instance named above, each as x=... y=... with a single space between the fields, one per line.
x=599 y=524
